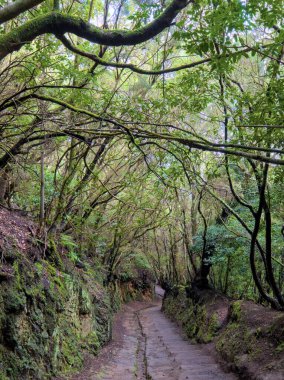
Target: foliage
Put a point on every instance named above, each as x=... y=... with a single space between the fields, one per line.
x=145 y=155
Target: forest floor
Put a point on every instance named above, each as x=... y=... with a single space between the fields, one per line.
x=147 y=345
x=16 y=234
x=15 y=229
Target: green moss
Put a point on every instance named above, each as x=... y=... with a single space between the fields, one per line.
x=236 y=341
x=71 y=354
x=91 y=342
x=14 y=301
x=53 y=255
x=258 y=332
x=3 y=377
x=211 y=329
x=236 y=311
x=35 y=291
x=198 y=325
x=41 y=313
x=280 y=348
x=85 y=305
x=214 y=324
x=15 y=367
x=55 y=349
x=17 y=275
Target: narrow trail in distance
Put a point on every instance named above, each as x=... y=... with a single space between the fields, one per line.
x=147 y=346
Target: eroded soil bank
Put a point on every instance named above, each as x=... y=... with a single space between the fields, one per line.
x=248 y=337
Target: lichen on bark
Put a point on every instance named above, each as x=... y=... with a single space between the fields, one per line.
x=58 y=23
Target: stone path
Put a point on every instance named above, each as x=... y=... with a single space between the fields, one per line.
x=151 y=348
x=170 y=356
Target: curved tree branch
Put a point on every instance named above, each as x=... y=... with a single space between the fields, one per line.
x=57 y=23
x=190 y=143
x=137 y=69
x=129 y=66
x=13 y=10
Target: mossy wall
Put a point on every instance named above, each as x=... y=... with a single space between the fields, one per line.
x=199 y=322
x=126 y=291
x=48 y=317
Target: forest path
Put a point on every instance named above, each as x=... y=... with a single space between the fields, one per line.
x=146 y=345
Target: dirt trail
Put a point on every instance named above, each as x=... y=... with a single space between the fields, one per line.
x=147 y=346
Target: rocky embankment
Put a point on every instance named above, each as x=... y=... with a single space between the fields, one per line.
x=48 y=317
x=53 y=310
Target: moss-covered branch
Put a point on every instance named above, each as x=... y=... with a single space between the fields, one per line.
x=13 y=10
x=57 y=23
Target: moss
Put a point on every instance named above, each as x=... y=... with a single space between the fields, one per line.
x=53 y=255
x=71 y=354
x=214 y=324
x=235 y=341
x=258 y=332
x=17 y=275
x=197 y=323
x=15 y=367
x=115 y=296
x=91 y=342
x=211 y=329
x=85 y=305
x=41 y=314
x=235 y=311
x=55 y=349
x=14 y=301
x=11 y=254
x=3 y=377
x=35 y=291
x=280 y=348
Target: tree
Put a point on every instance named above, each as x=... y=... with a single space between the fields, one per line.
x=58 y=24
x=149 y=133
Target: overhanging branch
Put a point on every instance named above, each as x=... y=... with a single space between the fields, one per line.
x=138 y=133
x=129 y=66
x=13 y=10
x=57 y=23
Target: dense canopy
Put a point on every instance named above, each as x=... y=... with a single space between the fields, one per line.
x=150 y=134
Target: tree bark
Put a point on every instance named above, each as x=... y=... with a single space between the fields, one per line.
x=58 y=24
x=13 y=10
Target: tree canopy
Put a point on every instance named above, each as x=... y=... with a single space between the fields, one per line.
x=150 y=132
